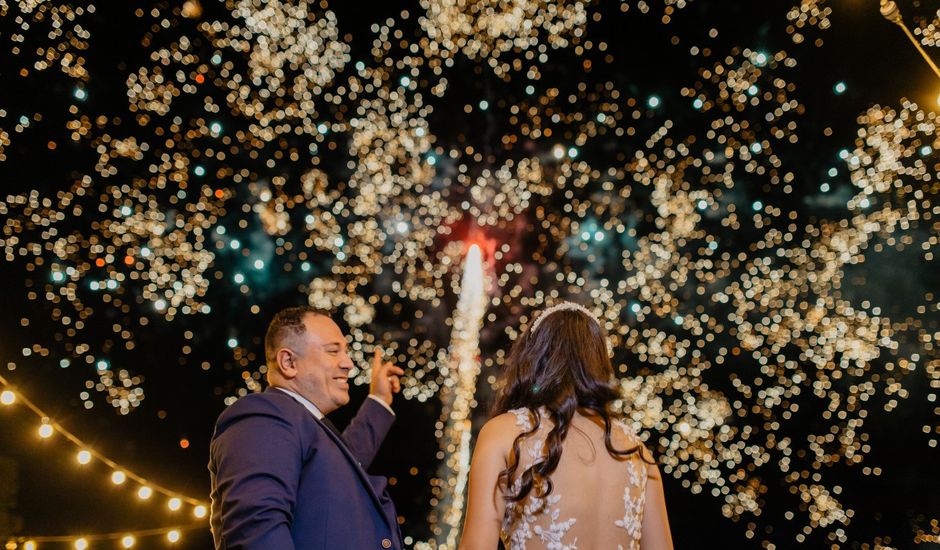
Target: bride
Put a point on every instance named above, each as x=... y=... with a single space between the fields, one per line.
x=555 y=468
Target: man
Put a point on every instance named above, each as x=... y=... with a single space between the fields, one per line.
x=282 y=476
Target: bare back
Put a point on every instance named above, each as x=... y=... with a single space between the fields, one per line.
x=597 y=499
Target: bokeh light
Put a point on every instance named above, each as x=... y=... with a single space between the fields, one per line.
x=739 y=246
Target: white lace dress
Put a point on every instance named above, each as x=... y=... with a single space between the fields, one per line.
x=597 y=500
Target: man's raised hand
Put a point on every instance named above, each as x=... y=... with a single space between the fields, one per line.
x=385 y=378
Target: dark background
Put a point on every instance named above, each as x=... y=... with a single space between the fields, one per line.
x=50 y=496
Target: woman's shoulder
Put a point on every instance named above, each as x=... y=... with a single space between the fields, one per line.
x=622 y=426
x=633 y=439
x=497 y=435
x=504 y=428
x=624 y=435
x=510 y=422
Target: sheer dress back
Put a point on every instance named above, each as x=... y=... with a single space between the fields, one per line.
x=597 y=500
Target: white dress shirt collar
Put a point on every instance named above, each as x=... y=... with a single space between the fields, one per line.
x=303 y=401
x=319 y=414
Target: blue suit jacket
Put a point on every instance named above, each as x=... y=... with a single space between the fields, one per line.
x=283 y=480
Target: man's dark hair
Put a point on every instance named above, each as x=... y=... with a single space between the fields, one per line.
x=287 y=322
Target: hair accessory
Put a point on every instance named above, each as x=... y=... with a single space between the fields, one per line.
x=570 y=306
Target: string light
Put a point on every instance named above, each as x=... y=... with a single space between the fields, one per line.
x=86 y=454
x=45 y=429
x=7 y=397
x=124 y=539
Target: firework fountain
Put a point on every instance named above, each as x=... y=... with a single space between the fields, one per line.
x=458 y=402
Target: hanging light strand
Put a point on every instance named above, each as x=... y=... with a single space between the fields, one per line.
x=86 y=453
x=127 y=539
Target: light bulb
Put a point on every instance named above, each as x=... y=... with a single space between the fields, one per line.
x=45 y=431
x=118 y=477
x=174 y=504
x=144 y=492
x=200 y=511
x=84 y=457
x=128 y=541
x=7 y=397
x=173 y=536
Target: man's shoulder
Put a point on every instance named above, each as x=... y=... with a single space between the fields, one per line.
x=257 y=421
x=268 y=403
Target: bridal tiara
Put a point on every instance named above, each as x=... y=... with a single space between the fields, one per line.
x=569 y=306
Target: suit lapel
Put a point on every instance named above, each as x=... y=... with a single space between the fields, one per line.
x=338 y=440
x=363 y=476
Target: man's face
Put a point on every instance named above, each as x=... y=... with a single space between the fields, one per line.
x=323 y=364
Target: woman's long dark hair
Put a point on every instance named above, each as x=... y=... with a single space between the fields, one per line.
x=563 y=366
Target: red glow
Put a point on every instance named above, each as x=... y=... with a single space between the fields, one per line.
x=476 y=236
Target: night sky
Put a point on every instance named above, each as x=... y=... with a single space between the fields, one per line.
x=745 y=193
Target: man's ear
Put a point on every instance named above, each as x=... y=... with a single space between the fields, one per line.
x=286 y=363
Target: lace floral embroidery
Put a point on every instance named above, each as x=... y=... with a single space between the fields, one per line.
x=633 y=506
x=517 y=526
